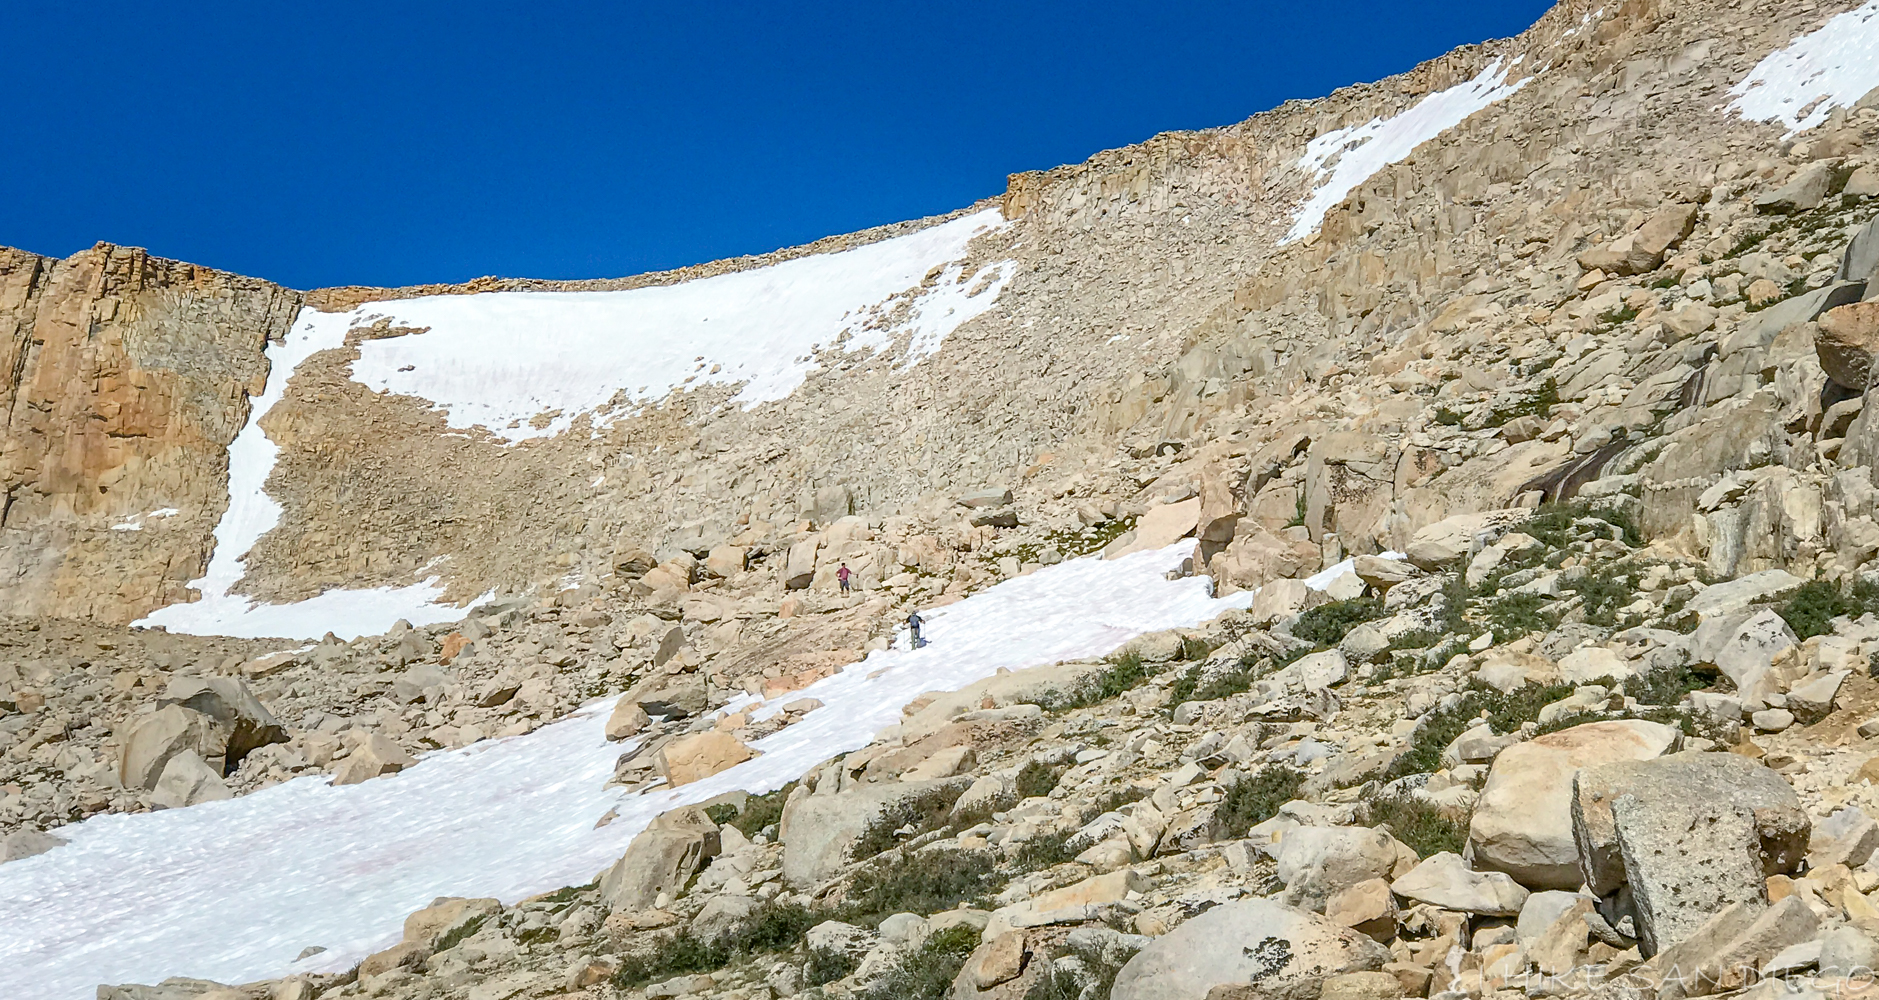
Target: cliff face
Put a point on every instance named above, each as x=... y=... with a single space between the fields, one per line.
x=123 y=379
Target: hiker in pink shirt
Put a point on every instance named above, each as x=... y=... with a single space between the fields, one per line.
x=842 y=575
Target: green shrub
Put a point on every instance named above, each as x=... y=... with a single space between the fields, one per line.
x=1666 y=687
x=1094 y=981
x=1810 y=608
x=1516 y=615
x=760 y=811
x=1253 y=799
x=1046 y=850
x=1426 y=829
x=1184 y=685
x=918 y=882
x=925 y=812
x=927 y=974
x=826 y=965
x=1036 y=779
x=1125 y=673
x=773 y=927
x=1115 y=800
x=462 y=932
x=1447 y=417
x=1539 y=404
x=1326 y=624
x=1602 y=594
x=1438 y=729
x=1508 y=712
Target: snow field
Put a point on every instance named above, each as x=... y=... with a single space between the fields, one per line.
x=1800 y=85
x=1359 y=151
x=234 y=890
x=500 y=359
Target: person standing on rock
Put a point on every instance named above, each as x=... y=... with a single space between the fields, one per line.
x=914 y=621
x=842 y=575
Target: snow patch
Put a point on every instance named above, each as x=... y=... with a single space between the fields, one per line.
x=199 y=891
x=252 y=513
x=527 y=364
x=1344 y=158
x=1800 y=85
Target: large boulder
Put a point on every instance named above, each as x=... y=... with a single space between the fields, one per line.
x=242 y=723
x=1642 y=250
x=663 y=858
x=163 y=734
x=186 y=781
x=1846 y=342
x=1522 y=822
x=1691 y=833
x=1445 y=880
x=1745 y=656
x=1451 y=539
x=1737 y=594
x=1316 y=863
x=373 y=756
x=699 y=756
x=819 y=832
x=1252 y=948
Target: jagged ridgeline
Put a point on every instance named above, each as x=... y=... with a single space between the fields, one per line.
x=1415 y=542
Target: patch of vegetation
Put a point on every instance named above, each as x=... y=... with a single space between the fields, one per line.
x=922 y=813
x=1194 y=648
x=760 y=811
x=1126 y=672
x=1426 y=829
x=1094 y=981
x=1622 y=314
x=1603 y=594
x=1508 y=712
x=1539 y=404
x=565 y=894
x=462 y=932
x=1811 y=608
x=773 y=927
x=1555 y=523
x=1046 y=850
x=1438 y=729
x=1666 y=687
x=826 y=965
x=1223 y=683
x=918 y=882
x=1255 y=798
x=1516 y=615
x=1326 y=624
x=1447 y=417
x=927 y=974
x=1184 y=685
x=1300 y=507
x=538 y=935
x=1670 y=279
x=1115 y=800
x=1036 y=779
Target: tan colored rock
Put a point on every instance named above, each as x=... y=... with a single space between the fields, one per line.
x=1847 y=341
x=699 y=756
x=1161 y=526
x=1368 y=907
x=661 y=859
x=164 y=734
x=186 y=781
x=999 y=960
x=430 y=925
x=726 y=560
x=628 y=719
x=372 y=757
x=1220 y=509
x=1361 y=986
x=1256 y=556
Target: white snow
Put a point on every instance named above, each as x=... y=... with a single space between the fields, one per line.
x=526 y=364
x=252 y=513
x=234 y=890
x=1344 y=158
x=1801 y=84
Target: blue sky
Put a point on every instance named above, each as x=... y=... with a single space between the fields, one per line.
x=395 y=143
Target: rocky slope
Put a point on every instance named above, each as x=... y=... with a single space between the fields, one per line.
x=1565 y=338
